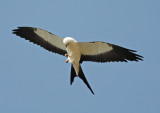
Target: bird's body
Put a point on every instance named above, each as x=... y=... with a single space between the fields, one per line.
x=73 y=52
x=77 y=52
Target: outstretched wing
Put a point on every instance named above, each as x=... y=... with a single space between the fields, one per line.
x=106 y=52
x=43 y=38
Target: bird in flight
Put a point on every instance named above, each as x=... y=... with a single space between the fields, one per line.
x=77 y=52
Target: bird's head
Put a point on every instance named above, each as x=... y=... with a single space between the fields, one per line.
x=67 y=40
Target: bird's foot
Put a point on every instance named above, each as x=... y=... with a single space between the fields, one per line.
x=67 y=60
x=66 y=55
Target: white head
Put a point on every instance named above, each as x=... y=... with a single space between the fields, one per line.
x=67 y=40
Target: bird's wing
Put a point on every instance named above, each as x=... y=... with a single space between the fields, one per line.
x=43 y=38
x=106 y=52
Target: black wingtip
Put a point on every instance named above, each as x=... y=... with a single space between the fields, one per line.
x=14 y=31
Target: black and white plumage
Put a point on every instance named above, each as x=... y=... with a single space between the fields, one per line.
x=77 y=52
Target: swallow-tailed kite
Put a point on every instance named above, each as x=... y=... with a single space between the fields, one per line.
x=77 y=52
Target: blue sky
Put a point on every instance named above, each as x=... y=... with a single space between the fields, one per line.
x=33 y=80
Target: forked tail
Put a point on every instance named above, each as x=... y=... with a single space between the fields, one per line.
x=80 y=75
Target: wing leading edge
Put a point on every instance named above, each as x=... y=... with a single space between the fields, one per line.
x=43 y=38
x=106 y=52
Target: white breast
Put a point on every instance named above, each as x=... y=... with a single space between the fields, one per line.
x=73 y=52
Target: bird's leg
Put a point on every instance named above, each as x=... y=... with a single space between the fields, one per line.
x=66 y=55
x=67 y=60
